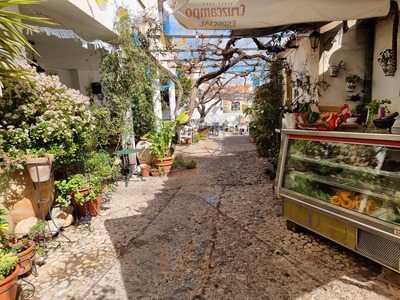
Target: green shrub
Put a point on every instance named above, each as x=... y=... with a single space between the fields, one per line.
x=180 y=163
x=40 y=114
x=267 y=113
x=101 y=165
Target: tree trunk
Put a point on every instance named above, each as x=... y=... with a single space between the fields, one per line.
x=193 y=101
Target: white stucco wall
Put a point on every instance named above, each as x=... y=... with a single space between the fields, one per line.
x=303 y=60
x=385 y=86
x=348 y=47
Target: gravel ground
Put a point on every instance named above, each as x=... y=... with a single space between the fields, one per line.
x=215 y=232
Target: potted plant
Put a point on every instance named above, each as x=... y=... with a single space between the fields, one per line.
x=387 y=62
x=23 y=249
x=9 y=271
x=39 y=167
x=160 y=147
x=289 y=115
x=82 y=194
x=351 y=82
x=374 y=108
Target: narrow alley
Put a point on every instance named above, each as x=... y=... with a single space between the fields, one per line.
x=216 y=232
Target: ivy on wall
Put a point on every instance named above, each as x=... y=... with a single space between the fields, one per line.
x=128 y=77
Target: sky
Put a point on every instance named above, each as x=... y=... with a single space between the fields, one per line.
x=172 y=27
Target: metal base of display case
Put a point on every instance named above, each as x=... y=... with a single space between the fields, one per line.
x=369 y=243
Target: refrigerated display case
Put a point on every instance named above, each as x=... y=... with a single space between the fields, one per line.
x=346 y=187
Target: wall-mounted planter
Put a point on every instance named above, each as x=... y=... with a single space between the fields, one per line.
x=39 y=168
x=352 y=82
x=334 y=71
x=351 y=86
x=387 y=62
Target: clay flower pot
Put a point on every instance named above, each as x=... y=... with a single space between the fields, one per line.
x=25 y=259
x=164 y=164
x=189 y=141
x=89 y=208
x=145 y=170
x=39 y=168
x=8 y=286
x=155 y=173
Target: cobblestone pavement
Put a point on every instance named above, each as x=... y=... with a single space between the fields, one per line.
x=215 y=232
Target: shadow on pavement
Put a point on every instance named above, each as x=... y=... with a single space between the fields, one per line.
x=217 y=233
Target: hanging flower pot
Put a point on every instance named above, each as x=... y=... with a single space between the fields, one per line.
x=387 y=62
x=334 y=71
x=39 y=168
x=351 y=82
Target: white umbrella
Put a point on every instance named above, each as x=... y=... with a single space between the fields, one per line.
x=242 y=14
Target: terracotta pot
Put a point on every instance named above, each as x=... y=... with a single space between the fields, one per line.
x=155 y=173
x=8 y=286
x=25 y=259
x=39 y=168
x=89 y=208
x=145 y=170
x=203 y=133
x=189 y=141
x=164 y=164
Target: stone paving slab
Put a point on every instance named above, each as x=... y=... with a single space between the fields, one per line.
x=216 y=232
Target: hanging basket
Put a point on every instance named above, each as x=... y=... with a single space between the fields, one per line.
x=39 y=168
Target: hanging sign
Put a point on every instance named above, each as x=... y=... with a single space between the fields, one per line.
x=242 y=14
